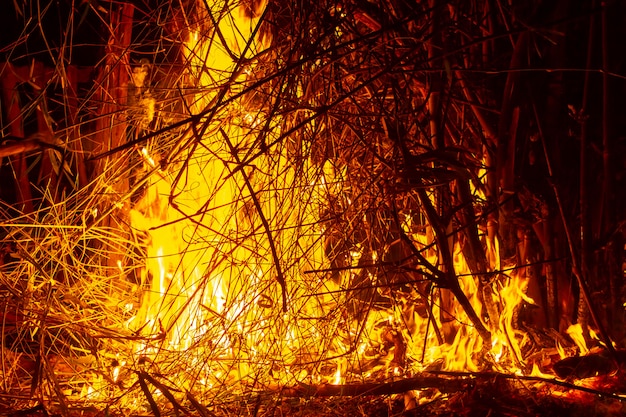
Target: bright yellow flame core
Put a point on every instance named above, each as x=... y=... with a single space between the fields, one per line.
x=213 y=291
x=575 y=331
x=212 y=295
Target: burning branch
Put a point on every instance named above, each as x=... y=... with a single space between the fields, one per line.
x=450 y=281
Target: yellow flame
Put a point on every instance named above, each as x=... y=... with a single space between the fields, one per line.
x=537 y=372
x=575 y=331
x=211 y=273
x=337 y=378
x=560 y=350
x=147 y=157
x=210 y=287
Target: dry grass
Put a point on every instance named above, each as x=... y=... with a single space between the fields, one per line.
x=345 y=175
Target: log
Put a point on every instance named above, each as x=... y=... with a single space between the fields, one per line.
x=447 y=382
x=593 y=364
x=111 y=126
x=443 y=384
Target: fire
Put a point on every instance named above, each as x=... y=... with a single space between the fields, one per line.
x=228 y=297
x=220 y=242
x=575 y=331
x=310 y=218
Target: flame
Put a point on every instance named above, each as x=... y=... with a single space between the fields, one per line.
x=212 y=272
x=337 y=379
x=221 y=234
x=537 y=372
x=560 y=350
x=575 y=331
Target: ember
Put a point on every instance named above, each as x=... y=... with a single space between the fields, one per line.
x=264 y=208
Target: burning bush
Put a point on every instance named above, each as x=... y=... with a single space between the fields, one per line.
x=257 y=201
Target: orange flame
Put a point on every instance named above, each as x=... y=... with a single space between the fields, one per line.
x=211 y=292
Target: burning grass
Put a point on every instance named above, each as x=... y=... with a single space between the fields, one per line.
x=289 y=203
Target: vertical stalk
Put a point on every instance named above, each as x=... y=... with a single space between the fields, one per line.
x=613 y=263
x=48 y=176
x=585 y=217
x=436 y=79
x=505 y=148
x=111 y=124
x=545 y=230
x=474 y=252
x=73 y=126
x=607 y=181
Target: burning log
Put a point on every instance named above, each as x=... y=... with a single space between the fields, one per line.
x=590 y=365
x=443 y=385
x=444 y=382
